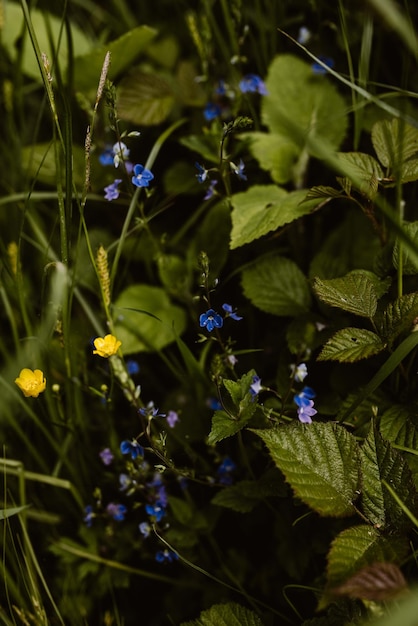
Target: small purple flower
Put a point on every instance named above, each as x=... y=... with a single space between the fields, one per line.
x=304 y=397
x=306 y=412
x=131 y=447
x=230 y=312
x=106 y=456
x=211 y=320
x=156 y=511
x=88 y=519
x=166 y=556
x=132 y=367
x=251 y=83
x=211 y=111
x=255 y=386
x=124 y=482
x=172 y=418
x=210 y=192
x=112 y=191
x=300 y=372
x=116 y=511
x=106 y=157
x=150 y=411
x=239 y=170
x=145 y=529
x=317 y=68
x=203 y=172
x=142 y=176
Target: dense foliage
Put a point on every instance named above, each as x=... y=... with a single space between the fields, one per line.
x=209 y=306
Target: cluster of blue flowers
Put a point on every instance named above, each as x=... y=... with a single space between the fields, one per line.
x=202 y=176
x=117 y=154
x=225 y=471
x=211 y=319
x=250 y=83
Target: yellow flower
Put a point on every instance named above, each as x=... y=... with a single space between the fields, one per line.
x=31 y=382
x=106 y=346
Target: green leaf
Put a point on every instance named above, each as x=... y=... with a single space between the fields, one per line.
x=145 y=99
x=399 y=424
x=377 y=582
x=363 y=171
x=276 y=285
x=276 y=154
x=265 y=208
x=40 y=163
x=350 y=345
x=380 y=462
x=355 y=292
x=359 y=546
x=399 y=316
x=408 y=264
x=124 y=51
x=246 y=494
x=145 y=319
x=394 y=142
x=230 y=614
x=172 y=270
x=323 y=191
x=320 y=462
x=15 y=510
x=212 y=237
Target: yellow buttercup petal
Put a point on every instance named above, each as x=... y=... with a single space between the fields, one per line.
x=31 y=382
x=106 y=346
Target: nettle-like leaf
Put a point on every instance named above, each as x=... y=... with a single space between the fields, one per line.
x=276 y=285
x=293 y=120
x=320 y=462
x=265 y=208
x=146 y=320
x=399 y=316
x=246 y=494
x=238 y=410
x=145 y=99
x=355 y=292
x=362 y=170
x=351 y=344
x=377 y=582
x=399 y=424
x=380 y=462
x=360 y=546
x=408 y=264
x=396 y=145
x=230 y=614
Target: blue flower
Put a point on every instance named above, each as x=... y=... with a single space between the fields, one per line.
x=120 y=152
x=150 y=411
x=319 y=69
x=230 y=312
x=255 y=386
x=166 y=556
x=88 y=519
x=203 y=173
x=304 y=397
x=251 y=83
x=225 y=471
x=214 y=404
x=124 y=481
x=132 y=367
x=172 y=418
x=157 y=510
x=106 y=157
x=211 y=320
x=116 y=511
x=306 y=412
x=221 y=88
x=112 y=191
x=211 y=111
x=145 y=529
x=106 y=456
x=131 y=447
x=210 y=192
x=239 y=170
x=304 y=35
x=142 y=176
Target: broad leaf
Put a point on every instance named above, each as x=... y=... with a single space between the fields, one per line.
x=362 y=170
x=359 y=546
x=276 y=285
x=380 y=462
x=377 y=582
x=275 y=153
x=394 y=142
x=350 y=345
x=399 y=424
x=354 y=293
x=400 y=252
x=230 y=614
x=145 y=99
x=320 y=462
x=246 y=494
x=146 y=320
x=399 y=316
x=265 y=208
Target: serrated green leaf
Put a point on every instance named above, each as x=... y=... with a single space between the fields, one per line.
x=276 y=154
x=225 y=425
x=246 y=494
x=359 y=546
x=410 y=170
x=323 y=191
x=265 y=208
x=380 y=462
x=350 y=345
x=124 y=51
x=145 y=99
x=276 y=285
x=409 y=266
x=394 y=142
x=363 y=171
x=399 y=316
x=399 y=424
x=146 y=320
x=320 y=462
x=377 y=582
x=355 y=292
x=230 y=614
